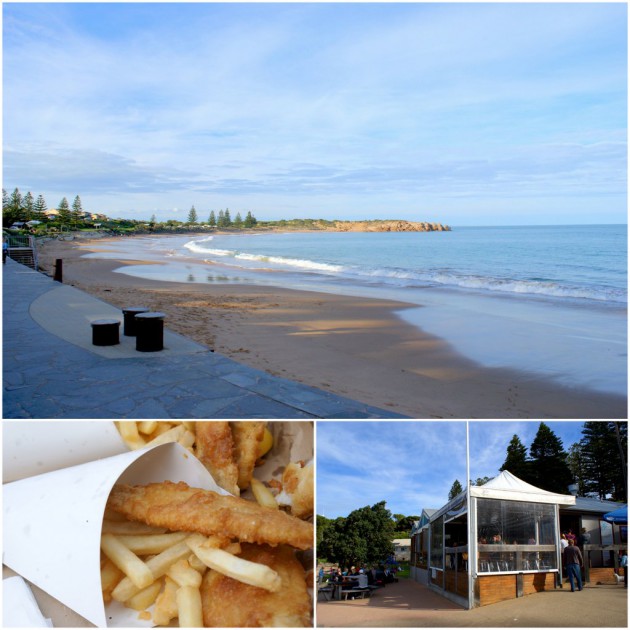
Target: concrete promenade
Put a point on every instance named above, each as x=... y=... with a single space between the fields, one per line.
x=408 y=604
x=52 y=370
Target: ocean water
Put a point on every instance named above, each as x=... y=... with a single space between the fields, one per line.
x=550 y=300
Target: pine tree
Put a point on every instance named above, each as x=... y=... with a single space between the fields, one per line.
x=192 y=216
x=40 y=208
x=227 y=218
x=5 y=200
x=516 y=460
x=221 y=219
x=152 y=220
x=12 y=208
x=549 y=462
x=238 y=222
x=575 y=461
x=603 y=466
x=15 y=203
x=28 y=205
x=212 y=220
x=456 y=489
x=77 y=210
x=250 y=220
x=64 y=215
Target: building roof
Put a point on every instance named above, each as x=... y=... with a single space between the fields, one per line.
x=427 y=513
x=588 y=504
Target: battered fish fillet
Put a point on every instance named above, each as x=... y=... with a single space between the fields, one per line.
x=228 y=603
x=247 y=438
x=182 y=508
x=214 y=447
x=297 y=489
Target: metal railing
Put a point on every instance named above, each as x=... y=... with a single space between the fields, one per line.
x=21 y=248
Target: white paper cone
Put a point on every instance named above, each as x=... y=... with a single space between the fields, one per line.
x=32 y=448
x=52 y=523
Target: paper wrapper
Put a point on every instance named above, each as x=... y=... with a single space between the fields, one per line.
x=32 y=448
x=52 y=524
x=52 y=521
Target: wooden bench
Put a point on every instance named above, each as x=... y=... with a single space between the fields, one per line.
x=354 y=592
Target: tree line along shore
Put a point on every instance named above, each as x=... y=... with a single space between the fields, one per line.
x=25 y=213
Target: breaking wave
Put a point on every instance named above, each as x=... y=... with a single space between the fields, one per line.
x=412 y=278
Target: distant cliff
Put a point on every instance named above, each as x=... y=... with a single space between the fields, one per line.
x=388 y=226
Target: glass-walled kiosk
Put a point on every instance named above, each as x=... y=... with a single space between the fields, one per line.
x=493 y=542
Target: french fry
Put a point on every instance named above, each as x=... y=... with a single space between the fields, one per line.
x=151 y=543
x=127 y=561
x=166 y=604
x=242 y=570
x=172 y=435
x=129 y=432
x=146 y=597
x=187 y=440
x=262 y=494
x=197 y=564
x=110 y=576
x=158 y=566
x=130 y=528
x=161 y=427
x=183 y=574
x=189 y=607
x=147 y=426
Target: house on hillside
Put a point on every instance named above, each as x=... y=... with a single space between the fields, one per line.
x=502 y=540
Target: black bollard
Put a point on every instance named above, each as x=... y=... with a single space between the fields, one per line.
x=150 y=332
x=105 y=332
x=129 y=314
x=58 y=270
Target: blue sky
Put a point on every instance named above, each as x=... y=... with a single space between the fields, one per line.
x=412 y=465
x=467 y=114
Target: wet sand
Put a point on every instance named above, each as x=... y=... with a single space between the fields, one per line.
x=355 y=347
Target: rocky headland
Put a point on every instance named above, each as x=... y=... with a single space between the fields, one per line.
x=388 y=226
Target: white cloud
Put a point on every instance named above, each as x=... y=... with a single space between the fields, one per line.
x=412 y=100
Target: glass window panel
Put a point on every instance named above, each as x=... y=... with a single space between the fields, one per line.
x=504 y=525
x=515 y=522
x=437 y=540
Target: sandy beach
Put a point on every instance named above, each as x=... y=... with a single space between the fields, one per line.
x=355 y=347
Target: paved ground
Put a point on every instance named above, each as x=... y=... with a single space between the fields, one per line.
x=409 y=604
x=52 y=370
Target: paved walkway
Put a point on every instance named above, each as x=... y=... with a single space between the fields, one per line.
x=52 y=370
x=409 y=604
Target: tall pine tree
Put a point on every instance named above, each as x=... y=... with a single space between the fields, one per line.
x=550 y=470
x=192 y=216
x=40 y=208
x=29 y=206
x=602 y=461
x=516 y=460
x=63 y=209
x=77 y=210
x=456 y=489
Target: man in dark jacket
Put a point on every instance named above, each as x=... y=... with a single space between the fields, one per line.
x=573 y=561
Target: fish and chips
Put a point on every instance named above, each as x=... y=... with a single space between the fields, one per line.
x=176 y=553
